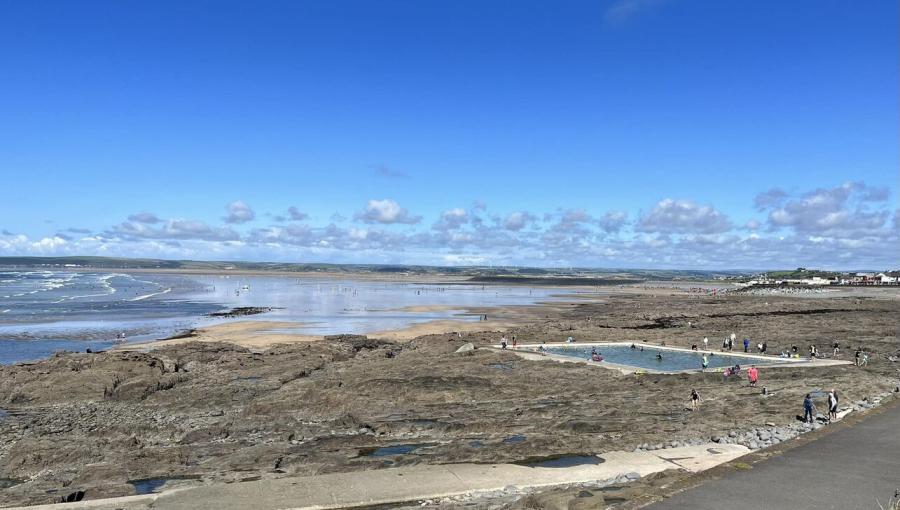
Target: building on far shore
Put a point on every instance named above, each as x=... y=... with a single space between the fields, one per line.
x=889 y=278
x=797 y=278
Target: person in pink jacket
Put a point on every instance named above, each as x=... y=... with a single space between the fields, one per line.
x=753 y=375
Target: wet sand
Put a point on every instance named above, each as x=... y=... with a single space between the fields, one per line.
x=244 y=404
x=245 y=333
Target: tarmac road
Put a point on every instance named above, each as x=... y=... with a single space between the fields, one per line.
x=856 y=467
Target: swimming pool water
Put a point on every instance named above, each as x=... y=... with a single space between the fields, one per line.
x=671 y=360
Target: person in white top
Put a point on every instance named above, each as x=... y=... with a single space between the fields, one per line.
x=705 y=343
x=832 y=405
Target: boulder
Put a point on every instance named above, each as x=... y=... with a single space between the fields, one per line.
x=466 y=347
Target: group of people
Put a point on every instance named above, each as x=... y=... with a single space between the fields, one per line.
x=809 y=409
x=504 y=342
x=794 y=352
x=728 y=344
x=752 y=372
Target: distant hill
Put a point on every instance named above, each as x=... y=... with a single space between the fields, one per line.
x=485 y=274
x=800 y=273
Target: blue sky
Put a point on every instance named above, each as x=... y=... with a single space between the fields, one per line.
x=618 y=133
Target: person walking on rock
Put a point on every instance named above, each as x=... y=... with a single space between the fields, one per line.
x=695 y=400
x=808 y=409
x=832 y=405
x=705 y=343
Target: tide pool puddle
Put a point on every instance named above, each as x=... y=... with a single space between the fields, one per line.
x=152 y=485
x=250 y=379
x=6 y=483
x=518 y=438
x=563 y=461
x=397 y=449
x=148 y=486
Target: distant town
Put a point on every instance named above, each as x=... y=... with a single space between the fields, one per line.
x=812 y=277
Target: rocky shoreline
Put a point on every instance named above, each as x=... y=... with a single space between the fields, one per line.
x=201 y=413
x=771 y=434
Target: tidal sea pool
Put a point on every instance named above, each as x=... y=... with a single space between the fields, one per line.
x=672 y=360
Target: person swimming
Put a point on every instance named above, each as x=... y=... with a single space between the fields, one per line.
x=596 y=357
x=633 y=347
x=705 y=363
x=658 y=357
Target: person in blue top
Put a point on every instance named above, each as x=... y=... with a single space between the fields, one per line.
x=808 y=408
x=746 y=345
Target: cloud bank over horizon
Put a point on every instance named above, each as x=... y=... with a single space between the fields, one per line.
x=852 y=225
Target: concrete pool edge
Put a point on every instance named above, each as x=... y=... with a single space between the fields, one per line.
x=529 y=351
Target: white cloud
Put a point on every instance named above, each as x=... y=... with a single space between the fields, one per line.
x=387 y=212
x=842 y=211
x=239 y=212
x=814 y=229
x=174 y=229
x=518 y=220
x=295 y=214
x=771 y=198
x=613 y=221
x=452 y=219
x=575 y=216
x=683 y=217
x=144 y=217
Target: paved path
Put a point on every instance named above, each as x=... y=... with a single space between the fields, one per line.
x=848 y=468
x=384 y=486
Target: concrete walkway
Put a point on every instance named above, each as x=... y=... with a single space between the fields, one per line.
x=854 y=466
x=384 y=486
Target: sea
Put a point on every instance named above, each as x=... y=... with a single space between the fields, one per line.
x=42 y=312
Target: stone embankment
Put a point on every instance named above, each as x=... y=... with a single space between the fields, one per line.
x=763 y=437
